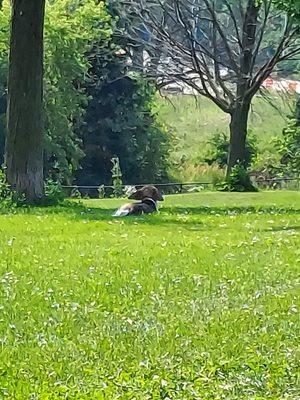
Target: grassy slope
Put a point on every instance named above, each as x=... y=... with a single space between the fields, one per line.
x=194 y=123
x=198 y=302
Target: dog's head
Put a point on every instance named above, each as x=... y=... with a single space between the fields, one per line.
x=147 y=192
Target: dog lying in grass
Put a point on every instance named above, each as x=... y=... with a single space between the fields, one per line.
x=148 y=196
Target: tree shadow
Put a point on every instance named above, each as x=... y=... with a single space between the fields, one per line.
x=283 y=228
x=168 y=215
x=189 y=218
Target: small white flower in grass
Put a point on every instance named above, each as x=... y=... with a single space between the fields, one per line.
x=10 y=242
x=74 y=306
x=144 y=363
x=164 y=383
x=229 y=256
x=41 y=341
x=3 y=340
x=293 y=309
x=257 y=294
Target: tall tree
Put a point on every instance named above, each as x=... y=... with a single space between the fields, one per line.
x=221 y=49
x=24 y=143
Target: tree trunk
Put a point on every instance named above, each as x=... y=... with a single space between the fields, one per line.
x=238 y=135
x=24 y=143
x=240 y=113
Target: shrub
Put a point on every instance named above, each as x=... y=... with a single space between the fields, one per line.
x=288 y=146
x=54 y=193
x=7 y=196
x=219 y=148
x=121 y=121
x=239 y=180
x=117 y=178
x=101 y=191
x=75 y=194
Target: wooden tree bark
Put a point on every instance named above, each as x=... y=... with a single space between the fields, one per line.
x=24 y=143
x=240 y=113
x=238 y=135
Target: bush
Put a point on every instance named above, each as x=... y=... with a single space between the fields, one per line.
x=219 y=148
x=285 y=161
x=288 y=146
x=121 y=121
x=239 y=180
x=116 y=174
x=101 y=191
x=267 y=167
x=54 y=193
x=7 y=196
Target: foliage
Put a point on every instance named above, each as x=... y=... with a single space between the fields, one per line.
x=193 y=50
x=292 y=7
x=219 y=148
x=116 y=175
x=8 y=198
x=54 y=193
x=75 y=194
x=297 y=113
x=267 y=167
x=101 y=191
x=197 y=302
x=120 y=121
x=71 y=27
x=194 y=125
x=288 y=147
x=239 y=180
x=83 y=72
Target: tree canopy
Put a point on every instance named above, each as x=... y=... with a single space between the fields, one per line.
x=83 y=77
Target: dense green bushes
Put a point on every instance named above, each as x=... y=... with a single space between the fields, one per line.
x=219 y=148
x=120 y=122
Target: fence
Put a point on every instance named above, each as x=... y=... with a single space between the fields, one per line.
x=181 y=187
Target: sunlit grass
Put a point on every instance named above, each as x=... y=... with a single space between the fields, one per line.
x=198 y=302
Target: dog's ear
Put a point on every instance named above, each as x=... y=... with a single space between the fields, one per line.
x=138 y=195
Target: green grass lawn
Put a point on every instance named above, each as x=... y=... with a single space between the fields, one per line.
x=199 y=302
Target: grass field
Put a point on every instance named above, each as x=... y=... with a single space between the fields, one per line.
x=199 y=302
x=194 y=123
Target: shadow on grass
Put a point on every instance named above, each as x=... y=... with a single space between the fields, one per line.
x=168 y=215
x=283 y=228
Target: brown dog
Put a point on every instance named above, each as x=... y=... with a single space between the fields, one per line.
x=148 y=196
